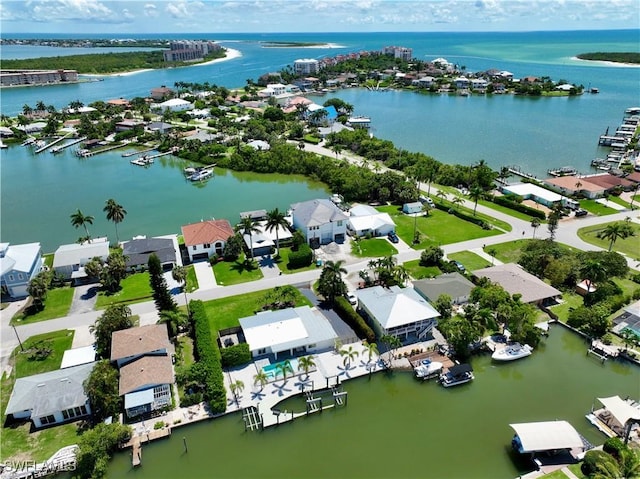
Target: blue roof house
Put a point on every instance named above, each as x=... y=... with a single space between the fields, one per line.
x=18 y=265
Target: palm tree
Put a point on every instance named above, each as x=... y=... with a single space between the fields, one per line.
x=392 y=343
x=330 y=284
x=78 y=219
x=236 y=388
x=337 y=149
x=593 y=272
x=305 y=363
x=27 y=110
x=349 y=354
x=492 y=252
x=115 y=213
x=475 y=194
x=457 y=200
x=614 y=231
x=179 y=274
x=283 y=367
x=261 y=378
x=247 y=227
x=442 y=195
x=40 y=106
x=535 y=224
x=275 y=220
x=370 y=349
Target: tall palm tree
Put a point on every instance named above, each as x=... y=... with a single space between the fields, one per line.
x=305 y=363
x=370 y=349
x=476 y=193
x=115 y=213
x=615 y=231
x=330 y=283
x=442 y=195
x=261 y=378
x=457 y=200
x=535 y=224
x=593 y=272
x=179 y=274
x=349 y=354
x=78 y=219
x=247 y=227
x=236 y=389
x=283 y=367
x=275 y=220
x=392 y=343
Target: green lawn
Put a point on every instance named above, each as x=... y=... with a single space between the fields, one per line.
x=510 y=251
x=56 y=305
x=596 y=208
x=470 y=260
x=48 y=259
x=283 y=263
x=575 y=468
x=439 y=228
x=225 y=312
x=619 y=201
x=134 y=288
x=507 y=211
x=570 y=301
x=235 y=272
x=372 y=248
x=192 y=279
x=421 y=272
x=627 y=246
x=16 y=440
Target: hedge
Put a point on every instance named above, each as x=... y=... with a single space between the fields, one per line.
x=463 y=216
x=208 y=354
x=301 y=258
x=353 y=319
x=507 y=202
x=236 y=355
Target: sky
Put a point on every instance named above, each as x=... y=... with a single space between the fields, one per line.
x=273 y=16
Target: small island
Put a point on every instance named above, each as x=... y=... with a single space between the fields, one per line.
x=614 y=57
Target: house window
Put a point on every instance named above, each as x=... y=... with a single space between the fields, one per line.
x=219 y=247
x=340 y=223
x=262 y=351
x=194 y=247
x=207 y=245
x=20 y=276
x=311 y=346
x=44 y=420
x=10 y=277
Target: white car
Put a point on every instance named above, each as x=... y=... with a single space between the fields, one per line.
x=352 y=298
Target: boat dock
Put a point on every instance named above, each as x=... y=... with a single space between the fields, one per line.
x=132 y=153
x=54 y=142
x=515 y=170
x=435 y=355
x=83 y=153
x=136 y=443
x=58 y=149
x=564 y=171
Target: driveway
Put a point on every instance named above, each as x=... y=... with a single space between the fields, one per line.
x=204 y=273
x=84 y=298
x=268 y=267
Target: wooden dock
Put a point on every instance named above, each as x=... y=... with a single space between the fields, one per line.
x=446 y=361
x=89 y=153
x=58 y=149
x=136 y=442
x=54 y=142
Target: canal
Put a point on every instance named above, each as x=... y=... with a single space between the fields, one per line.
x=40 y=192
x=395 y=426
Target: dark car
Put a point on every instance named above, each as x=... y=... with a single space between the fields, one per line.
x=581 y=212
x=393 y=237
x=460 y=267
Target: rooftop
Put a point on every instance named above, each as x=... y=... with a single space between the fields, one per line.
x=453 y=284
x=19 y=257
x=208 y=231
x=395 y=306
x=141 y=340
x=144 y=372
x=317 y=212
x=516 y=280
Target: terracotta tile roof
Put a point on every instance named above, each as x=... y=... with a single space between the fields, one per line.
x=609 y=181
x=208 y=231
x=569 y=183
x=136 y=341
x=635 y=177
x=146 y=371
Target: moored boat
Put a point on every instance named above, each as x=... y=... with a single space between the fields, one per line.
x=458 y=374
x=511 y=352
x=427 y=369
x=201 y=175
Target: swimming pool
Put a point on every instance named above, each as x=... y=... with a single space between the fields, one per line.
x=273 y=370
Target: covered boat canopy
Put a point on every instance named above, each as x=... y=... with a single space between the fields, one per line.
x=620 y=409
x=547 y=436
x=459 y=369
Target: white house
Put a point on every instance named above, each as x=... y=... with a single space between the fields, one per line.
x=175 y=104
x=321 y=221
x=364 y=220
x=423 y=82
x=306 y=66
x=479 y=84
x=461 y=82
x=264 y=241
x=291 y=331
x=411 y=208
x=206 y=238
x=69 y=259
x=51 y=398
x=274 y=89
x=396 y=311
x=19 y=264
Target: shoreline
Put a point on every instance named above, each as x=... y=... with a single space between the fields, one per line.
x=605 y=63
x=319 y=45
x=232 y=54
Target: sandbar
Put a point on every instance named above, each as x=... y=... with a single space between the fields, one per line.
x=605 y=63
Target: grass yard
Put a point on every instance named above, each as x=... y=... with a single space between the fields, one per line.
x=421 y=272
x=48 y=260
x=372 y=248
x=283 y=263
x=507 y=211
x=627 y=246
x=134 y=288
x=470 y=260
x=570 y=301
x=235 y=272
x=596 y=208
x=192 y=279
x=510 y=251
x=225 y=312
x=56 y=305
x=619 y=201
x=17 y=441
x=439 y=228
x=575 y=468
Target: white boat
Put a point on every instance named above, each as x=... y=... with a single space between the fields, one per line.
x=201 y=175
x=512 y=352
x=427 y=369
x=142 y=161
x=189 y=170
x=458 y=374
x=3 y=146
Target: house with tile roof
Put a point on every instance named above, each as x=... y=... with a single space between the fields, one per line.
x=19 y=264
x=399 y=312
x=570 y=185
x=51 y=398
x=206 y=238
x=320 y=221
x=515 y=280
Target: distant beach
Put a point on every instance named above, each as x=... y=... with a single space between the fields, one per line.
x=607 y=64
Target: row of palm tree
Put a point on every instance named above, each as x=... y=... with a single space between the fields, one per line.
x=115 y=212
x=276 y=219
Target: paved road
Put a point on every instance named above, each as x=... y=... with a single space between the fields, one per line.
x=566 y=233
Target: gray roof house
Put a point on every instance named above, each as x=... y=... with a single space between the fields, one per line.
x=515 y=280
x=321 y=221
x=397 y=312
x=19 y=264
x=51 y=398
x=69 y=259
x=453 y=284
x=138 y=251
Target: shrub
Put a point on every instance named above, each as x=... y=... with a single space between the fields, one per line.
x=613 y=446
x=158 y=425
x=509 y=202
x=236 y=355
x=636 y=278
x=353 y=319
x=431 y=256
x=461 y=214
x=301 y=258
x=591 y=459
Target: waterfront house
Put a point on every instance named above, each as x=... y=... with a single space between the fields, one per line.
x=160 y=126
x=173 y=105
x=143 y=356
x=51 y=398
x=206 y=238
x=628 y=320
x=138 y=250
x=461 y=82
x=610 y=182
x=335 y=127
x=423 y=82
x=516 y=280
x=365 y=220
x=288 y=332
x=320 y=221
x=264 y=241
x=529 y=191
x=412 y=208
x=162 y=93
x=571 y=185
x=69 y=259
x=126 y=125
x=19 y=264
x=395 y=311
x=453 y=284
x=479 y=85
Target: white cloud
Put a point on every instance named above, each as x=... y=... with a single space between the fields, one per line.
x=150 y=10
x=177 y=10
x=64 y=10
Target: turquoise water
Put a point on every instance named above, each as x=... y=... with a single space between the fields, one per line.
x=272 y=370
x=397 y=427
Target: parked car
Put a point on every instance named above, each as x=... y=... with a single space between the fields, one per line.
x=353 y=299
x=458 y=265
x=393 y=237
x=426 y=199
x=581 y=212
